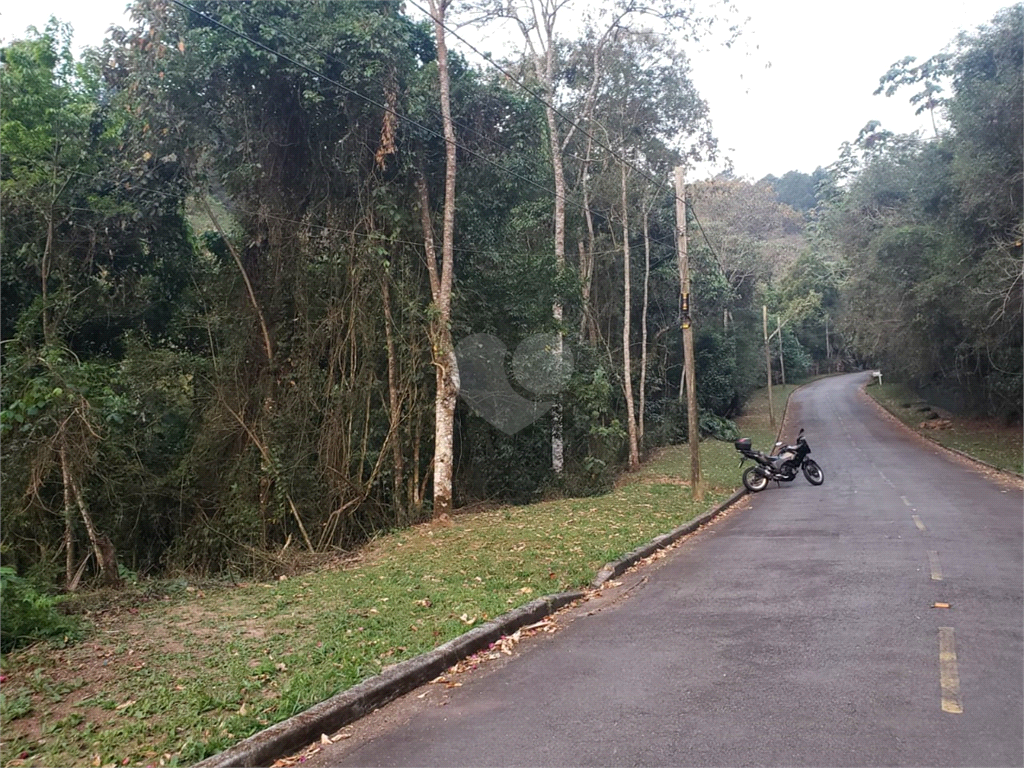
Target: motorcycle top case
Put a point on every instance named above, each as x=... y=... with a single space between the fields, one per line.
x=743 y=444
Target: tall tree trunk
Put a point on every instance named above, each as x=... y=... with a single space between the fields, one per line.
x=267 y=346
x=70 y=583
x=588 y=324
x=394 y=406
x=442 y=348
x=541 y=18
x=557 y=446
x=103 y=548
x=627 y=364
x=643 y=328
x=557 y=443
x=782 y=363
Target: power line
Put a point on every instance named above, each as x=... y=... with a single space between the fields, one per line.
x=706 y=240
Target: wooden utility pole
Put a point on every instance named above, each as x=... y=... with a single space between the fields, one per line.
x=693 y=424
x=768 y=365
x=828 y=347
x=782 y=364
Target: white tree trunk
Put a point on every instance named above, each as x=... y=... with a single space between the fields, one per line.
x=442 y=348
x=627 y=363
x=557 y=444
x=643 y=329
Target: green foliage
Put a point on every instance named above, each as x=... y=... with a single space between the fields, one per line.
x=930 y=232
x=797 y=360
x=29 y=614
x=797 y=190
x=593 y=429
x=718 y=427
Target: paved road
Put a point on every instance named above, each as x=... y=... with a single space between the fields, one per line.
x=797 y=631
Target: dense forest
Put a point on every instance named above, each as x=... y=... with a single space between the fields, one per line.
x=249 y=249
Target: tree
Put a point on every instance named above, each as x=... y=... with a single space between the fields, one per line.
x=96 y=254
x=754 y=236
x=304 y=173
x=447 y=370
x=545 y=53
x=927 y=75
x=930 y=233
x=797 y=190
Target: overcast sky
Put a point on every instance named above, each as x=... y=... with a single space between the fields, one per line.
x=796 y=85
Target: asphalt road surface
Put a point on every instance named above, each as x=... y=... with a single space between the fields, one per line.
x=800 y=629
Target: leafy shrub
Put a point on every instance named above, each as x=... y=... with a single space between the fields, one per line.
x=28 y=614
x=718 y=427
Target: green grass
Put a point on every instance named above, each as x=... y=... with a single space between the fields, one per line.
x=176 y=679
x=1000 y=445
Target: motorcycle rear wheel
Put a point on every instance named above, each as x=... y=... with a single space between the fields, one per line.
x=753 y=480
x=813 y=472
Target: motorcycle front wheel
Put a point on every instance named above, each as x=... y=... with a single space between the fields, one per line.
x=813 y=472
x=754 y=481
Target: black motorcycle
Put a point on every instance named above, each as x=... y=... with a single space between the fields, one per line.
x=778 y=467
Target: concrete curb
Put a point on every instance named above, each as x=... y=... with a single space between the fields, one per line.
x=305 y=728
x=1008 y=473
x=613 y=569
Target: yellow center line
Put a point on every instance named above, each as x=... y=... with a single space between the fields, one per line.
x=933 y=561
x=918 y=523
x=949 y=677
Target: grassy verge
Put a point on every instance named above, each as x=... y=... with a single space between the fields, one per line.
x=193 y=668
x=997 y=444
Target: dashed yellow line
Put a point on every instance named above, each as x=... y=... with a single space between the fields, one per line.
x=949 y=677
x=933 y=561
x=918 y=523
